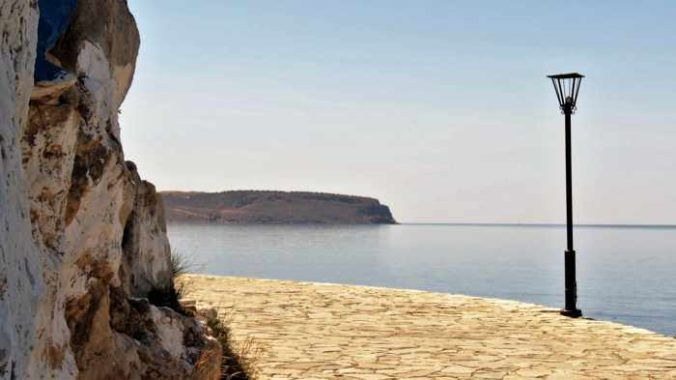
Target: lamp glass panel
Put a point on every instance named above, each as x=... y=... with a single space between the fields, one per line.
x=567 y=88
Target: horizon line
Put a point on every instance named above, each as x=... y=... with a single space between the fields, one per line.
x=512 y=224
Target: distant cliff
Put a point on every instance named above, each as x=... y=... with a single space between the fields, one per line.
x=274 y=207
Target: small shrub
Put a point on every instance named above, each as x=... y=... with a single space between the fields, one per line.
x=234 y=366
x=170 y=294
x=180 y=264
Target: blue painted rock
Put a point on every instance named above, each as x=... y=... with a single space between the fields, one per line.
x=55 y=16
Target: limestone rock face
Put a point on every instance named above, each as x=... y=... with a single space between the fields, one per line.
x=147 y=256
x=20 y=279
x=83 y=238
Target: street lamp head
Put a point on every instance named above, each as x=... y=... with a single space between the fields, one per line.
x=567 y=87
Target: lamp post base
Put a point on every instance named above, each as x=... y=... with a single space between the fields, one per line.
x=570 y=309
x=574 y=313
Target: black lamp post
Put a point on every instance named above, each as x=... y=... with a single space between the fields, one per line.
x=567 y=87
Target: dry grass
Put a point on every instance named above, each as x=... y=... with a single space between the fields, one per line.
x=180 y=264
x=248 y=355
x=236 y=364
x=239 y=364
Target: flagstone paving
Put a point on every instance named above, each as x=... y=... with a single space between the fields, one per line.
x=316 y=331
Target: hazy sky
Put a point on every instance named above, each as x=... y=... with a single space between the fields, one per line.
x=440 y=109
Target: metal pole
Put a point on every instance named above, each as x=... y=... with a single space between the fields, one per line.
x=571 y=309
x=569 y=186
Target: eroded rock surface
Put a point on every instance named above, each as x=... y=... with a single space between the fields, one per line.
x=20 y=280
x=83 y=238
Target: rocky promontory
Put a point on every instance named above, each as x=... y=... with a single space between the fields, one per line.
x=274 y=207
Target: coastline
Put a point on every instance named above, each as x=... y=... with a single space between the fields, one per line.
x=326 y=331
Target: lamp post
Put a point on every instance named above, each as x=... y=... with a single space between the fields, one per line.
x=567 y=87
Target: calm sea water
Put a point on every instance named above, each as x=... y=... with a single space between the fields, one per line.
x=624 y=274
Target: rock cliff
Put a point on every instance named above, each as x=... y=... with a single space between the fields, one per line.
x=83 y=238
x=274 y=207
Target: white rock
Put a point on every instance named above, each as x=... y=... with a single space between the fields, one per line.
x=80 y=232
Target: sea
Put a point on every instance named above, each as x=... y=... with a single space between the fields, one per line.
x=625 y=274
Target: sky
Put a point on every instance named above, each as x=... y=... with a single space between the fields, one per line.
x=440 y=109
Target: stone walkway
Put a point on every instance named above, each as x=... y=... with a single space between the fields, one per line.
x=321 y=331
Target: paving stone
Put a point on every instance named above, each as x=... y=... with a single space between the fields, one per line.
x=327 y=331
